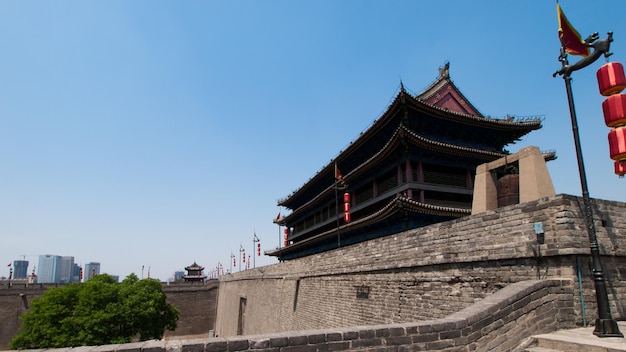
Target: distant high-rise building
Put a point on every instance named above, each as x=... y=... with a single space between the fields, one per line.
x=20 y=269
x=178 y=275
x=49 y=269
x=75 y=273
x=91 y=269
x=67 y=263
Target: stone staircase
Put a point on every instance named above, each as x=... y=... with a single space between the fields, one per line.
x=581 y=339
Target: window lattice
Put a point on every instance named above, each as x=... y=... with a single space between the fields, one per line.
x=442 y=178
x=387 y=183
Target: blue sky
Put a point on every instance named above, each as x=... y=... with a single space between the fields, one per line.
x=158 y=133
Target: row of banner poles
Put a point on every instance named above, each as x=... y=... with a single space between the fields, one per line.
x=256 y=242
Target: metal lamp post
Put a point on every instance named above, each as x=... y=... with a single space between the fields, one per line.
x=243 y=257
x=255 y=240
x=605 y=325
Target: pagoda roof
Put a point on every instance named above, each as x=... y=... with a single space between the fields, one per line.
x=401 y=136
x=503 y=131
x=194 y=267
x=443 y=93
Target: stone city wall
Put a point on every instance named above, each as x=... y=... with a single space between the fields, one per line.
x=14 y=301
x=497 y=323
x=197 y=303
x=430 y=272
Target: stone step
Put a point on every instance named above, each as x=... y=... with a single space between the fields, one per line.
x=579 y=340
x=541 y=349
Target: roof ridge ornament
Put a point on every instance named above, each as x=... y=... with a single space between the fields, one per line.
x=402 y=94
x=444 y=72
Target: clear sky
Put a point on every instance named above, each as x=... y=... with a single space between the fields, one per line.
x=159 y=133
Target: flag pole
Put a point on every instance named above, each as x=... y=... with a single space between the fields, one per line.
x=339 y=182
x=606 y=325
x=337 y=213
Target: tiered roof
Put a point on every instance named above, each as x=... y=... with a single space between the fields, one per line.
x=194 y=273
x=439 y=123
x=450 y=108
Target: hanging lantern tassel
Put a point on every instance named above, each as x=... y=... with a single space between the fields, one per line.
x=611 y=79
x=620 y=168
x=617 y=143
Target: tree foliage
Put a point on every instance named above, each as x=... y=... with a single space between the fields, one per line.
x=97 y=312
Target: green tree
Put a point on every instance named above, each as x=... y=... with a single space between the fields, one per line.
x=97 y=312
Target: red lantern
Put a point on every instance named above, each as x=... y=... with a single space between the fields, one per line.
x=614 y=108
x=258 y=249
x=286 y=237
x=611 y=79
x=617 y=143
x=346 y=207
x=620 y=168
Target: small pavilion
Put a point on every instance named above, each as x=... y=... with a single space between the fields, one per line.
x=194 y=273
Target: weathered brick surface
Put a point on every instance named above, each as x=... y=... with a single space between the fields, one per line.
x=541 y=306
x=461 y=331
x=197 y=304
x=12 y=306
x=431 y=272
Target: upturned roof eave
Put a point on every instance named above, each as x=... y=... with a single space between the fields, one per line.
x=363 y=137
x=389 y=209
x=404 y=98
x=529 y=124
x=416 y=140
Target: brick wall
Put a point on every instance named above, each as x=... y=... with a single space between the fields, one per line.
x=197 y=304
x=12 y=305
x=430 y=272
x=497 y=323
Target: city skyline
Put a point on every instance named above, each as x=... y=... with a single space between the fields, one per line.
x=21 y=269
x=149 y=135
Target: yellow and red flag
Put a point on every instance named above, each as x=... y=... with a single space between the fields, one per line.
x=569 y=36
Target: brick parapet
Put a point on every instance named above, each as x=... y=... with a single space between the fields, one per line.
x=499 y=322
x=431 y=272
x=501 y=234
